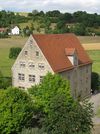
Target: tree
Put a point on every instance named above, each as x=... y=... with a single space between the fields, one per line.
x=16 y=110
x=61 y=114
x=14 y=51
x=5 y=82
x=95 y=81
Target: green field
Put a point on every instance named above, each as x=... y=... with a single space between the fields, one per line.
x=5 y=45
x=95 y=56
x=17 y=41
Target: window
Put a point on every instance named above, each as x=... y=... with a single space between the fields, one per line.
x=21 y=77
x=26 y=52
x=37 y=53
x=22 y=64
x=41 y=78
x=86 y=70
x=31 y=41
x=87 y=79
x=31 y=78
x=31 y=65
x=21 y=87
x=41 y=65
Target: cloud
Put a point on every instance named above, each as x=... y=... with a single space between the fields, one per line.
x=45 y=5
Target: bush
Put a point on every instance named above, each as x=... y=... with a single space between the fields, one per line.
x=95 y=82
x=16 y=110
x=5 y=82
x=14 y=52
x=57 y=111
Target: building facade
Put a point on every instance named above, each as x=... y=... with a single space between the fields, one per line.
x=15 y=30
x=55 y=53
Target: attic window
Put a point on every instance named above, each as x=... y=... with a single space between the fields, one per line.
x=37 y=53
x=26 y=52
x=31 y=41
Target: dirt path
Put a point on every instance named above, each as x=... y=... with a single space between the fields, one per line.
x=92 y=46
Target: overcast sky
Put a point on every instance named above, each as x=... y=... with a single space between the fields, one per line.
x=91 y=6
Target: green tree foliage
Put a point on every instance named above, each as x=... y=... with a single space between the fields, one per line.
x=54 y=13
x=59 y=112
x=32 y=131
x=5 y=82
x=14 y=51
x=27 y=31
x=7 y=18
x=95 y=81
x=16 y=110
x=4 y=35
x=79 y=29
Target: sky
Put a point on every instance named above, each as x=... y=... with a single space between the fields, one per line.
x=91 y=6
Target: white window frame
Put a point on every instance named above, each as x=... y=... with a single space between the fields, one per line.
x=41 y=66
x=21 y=77
x=32 y=78
x=22 y=64
x=31 y=65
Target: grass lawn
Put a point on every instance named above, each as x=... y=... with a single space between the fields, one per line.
x=17 y=41
x=95 y=56
x=5 y=45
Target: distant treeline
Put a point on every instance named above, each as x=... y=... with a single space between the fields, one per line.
x=90 y=20
x=8 y=18
x=80 y=22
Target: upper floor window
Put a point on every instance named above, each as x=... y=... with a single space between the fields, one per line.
x=31 y=65
x=21 y=77
x=31 y=78
x=41 y=65
x=22 y=64
x=37 y=53
x=31 y=41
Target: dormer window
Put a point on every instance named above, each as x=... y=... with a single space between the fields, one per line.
x=37 y=53
x=72 y=55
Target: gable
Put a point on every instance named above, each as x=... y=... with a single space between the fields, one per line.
x=28 y=55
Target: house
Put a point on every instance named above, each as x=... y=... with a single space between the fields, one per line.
x=15 y=30
x=55 y=53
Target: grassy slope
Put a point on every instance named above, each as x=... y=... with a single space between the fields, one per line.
x=5 y=45
x=15 y=41
x=95 y=56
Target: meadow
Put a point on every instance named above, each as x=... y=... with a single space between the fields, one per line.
x=17 y=41
x=5 y=45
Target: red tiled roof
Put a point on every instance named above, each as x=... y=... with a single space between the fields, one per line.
x=69 y=51
x=53 y=47
x=2 y=29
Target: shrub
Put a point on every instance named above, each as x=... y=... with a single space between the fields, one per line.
x=14 y=51
x=16 y=110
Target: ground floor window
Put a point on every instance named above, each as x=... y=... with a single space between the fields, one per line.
x=21 y=77
x=41 y=78
x=31 y=78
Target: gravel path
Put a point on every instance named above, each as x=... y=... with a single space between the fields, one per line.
x=95 y=99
